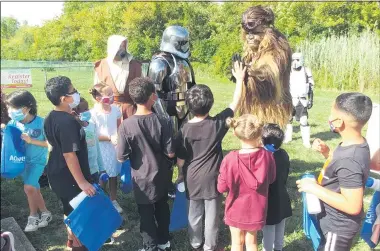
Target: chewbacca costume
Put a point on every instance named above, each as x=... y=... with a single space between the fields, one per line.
x=267 y=55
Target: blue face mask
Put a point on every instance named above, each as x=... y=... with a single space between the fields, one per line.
x=270 y=148
x=85 y=116
x=17 y=115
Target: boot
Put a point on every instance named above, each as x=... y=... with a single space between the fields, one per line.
x=305 y=133
x=288 y=133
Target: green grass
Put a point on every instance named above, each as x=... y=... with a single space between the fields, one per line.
x=53 y=237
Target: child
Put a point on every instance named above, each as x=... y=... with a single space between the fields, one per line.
x=68 y=170
x=341 y=183
x=199 y=155
x=146 y=140
x=246 y=175
x=105 y=116
x=279 y=206
x=22 y=109
x=95 y=160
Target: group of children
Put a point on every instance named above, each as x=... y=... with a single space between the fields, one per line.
x=253 y=177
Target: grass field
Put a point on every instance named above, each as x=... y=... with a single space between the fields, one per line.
x=53 y=237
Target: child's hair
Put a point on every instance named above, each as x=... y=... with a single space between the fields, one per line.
x=22 y=98
x=4 y=111
x=83 y=106
x=272 y=135
x=140 y=90
x=57 y=87
x=199 y=99
x=357 y=105
x=98 y=89
x=246 y=127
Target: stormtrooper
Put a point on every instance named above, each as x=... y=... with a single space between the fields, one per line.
x=301 y=89
x=173 y=75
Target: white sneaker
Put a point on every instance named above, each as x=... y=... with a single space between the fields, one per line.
x=46 y=217
x=32 y=224
x=117 y=207
x=165 y=247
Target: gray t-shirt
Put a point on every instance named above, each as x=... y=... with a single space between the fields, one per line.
x=349 y=168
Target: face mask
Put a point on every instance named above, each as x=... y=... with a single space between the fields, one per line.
x=17 y=115
x=76 y=100
x=332 y=127
x=85 y=116
x=107 y=100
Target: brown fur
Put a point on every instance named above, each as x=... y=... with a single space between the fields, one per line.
x=266 y=91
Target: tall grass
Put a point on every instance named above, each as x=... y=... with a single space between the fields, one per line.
x=350 y=62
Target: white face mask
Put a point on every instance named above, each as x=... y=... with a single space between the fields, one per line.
x=76 y=100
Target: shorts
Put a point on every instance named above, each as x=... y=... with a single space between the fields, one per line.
x=336 y=242
x=32 y=174
x=67 y=209
x=299 y=110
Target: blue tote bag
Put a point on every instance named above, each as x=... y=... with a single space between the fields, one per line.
x=310 y=226
x=94 y=220
x=12 y=153
x=371 y=219
x=126 y=177
x=178 y=216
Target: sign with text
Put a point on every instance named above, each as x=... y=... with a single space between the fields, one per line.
x=16 y=78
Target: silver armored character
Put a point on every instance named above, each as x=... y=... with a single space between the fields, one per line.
x=173 y=75
x=301 y=89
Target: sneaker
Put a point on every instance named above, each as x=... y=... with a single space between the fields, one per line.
x=69 y=244
x=117 y=207
x=171 y=195
x=9 y=242
x=164 y=247
x=32 y=224
x=46 y=217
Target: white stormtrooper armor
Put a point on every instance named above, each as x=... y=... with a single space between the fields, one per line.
x=301 y=89
x=173 y=76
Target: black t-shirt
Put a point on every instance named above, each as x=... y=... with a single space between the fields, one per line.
x=65 y=135
x=200 y=145
x=146 y=140
x=279 y=206
x=348 y=168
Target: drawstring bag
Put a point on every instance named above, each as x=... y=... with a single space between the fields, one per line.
x=372 y=222
x=310 y=226
x=94 y=220
x=126 y=177
x=12 y=153
x=178 y=216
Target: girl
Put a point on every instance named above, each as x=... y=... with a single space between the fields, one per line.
x=279 y=206
x=246 y=175
x=22 y=109
x=105 y=116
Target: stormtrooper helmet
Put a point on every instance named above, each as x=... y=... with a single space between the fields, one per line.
x=297 y=60
x=175 y=40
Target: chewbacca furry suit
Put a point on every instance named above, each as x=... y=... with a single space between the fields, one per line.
x=267 y=55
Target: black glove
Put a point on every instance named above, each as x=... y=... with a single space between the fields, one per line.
x=235 y=57
x=310 y=102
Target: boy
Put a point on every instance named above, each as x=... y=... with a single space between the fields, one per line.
x=68 y=170
x=200 y=155
x=341 y=183
x=147 y=141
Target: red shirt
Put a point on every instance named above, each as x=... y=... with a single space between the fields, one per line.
x=246 y=178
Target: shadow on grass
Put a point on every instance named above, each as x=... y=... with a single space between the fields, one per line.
x=327 y=135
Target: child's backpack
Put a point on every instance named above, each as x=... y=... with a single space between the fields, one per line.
x=12 y=153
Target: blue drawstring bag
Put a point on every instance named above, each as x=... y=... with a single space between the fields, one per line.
x=12 y=153
x=178 y=216
x=370 y=219
x=310 y=225
x=126 y=177
x=94 y=220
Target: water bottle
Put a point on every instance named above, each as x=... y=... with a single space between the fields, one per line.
x=312 y=201
x=373 y=184
x=104 y=177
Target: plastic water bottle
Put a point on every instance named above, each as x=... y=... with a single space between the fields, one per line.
x=312 y=201
x=373 y=184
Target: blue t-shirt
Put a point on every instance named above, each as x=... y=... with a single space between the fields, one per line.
x=35 y=155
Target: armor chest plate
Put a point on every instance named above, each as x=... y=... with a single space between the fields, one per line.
x=179 y=76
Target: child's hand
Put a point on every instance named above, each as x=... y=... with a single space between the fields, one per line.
x=306 y=185
x=87 y=188
x=320 y=146
x=238 y=71
x=114 y=139
x=26 y=138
